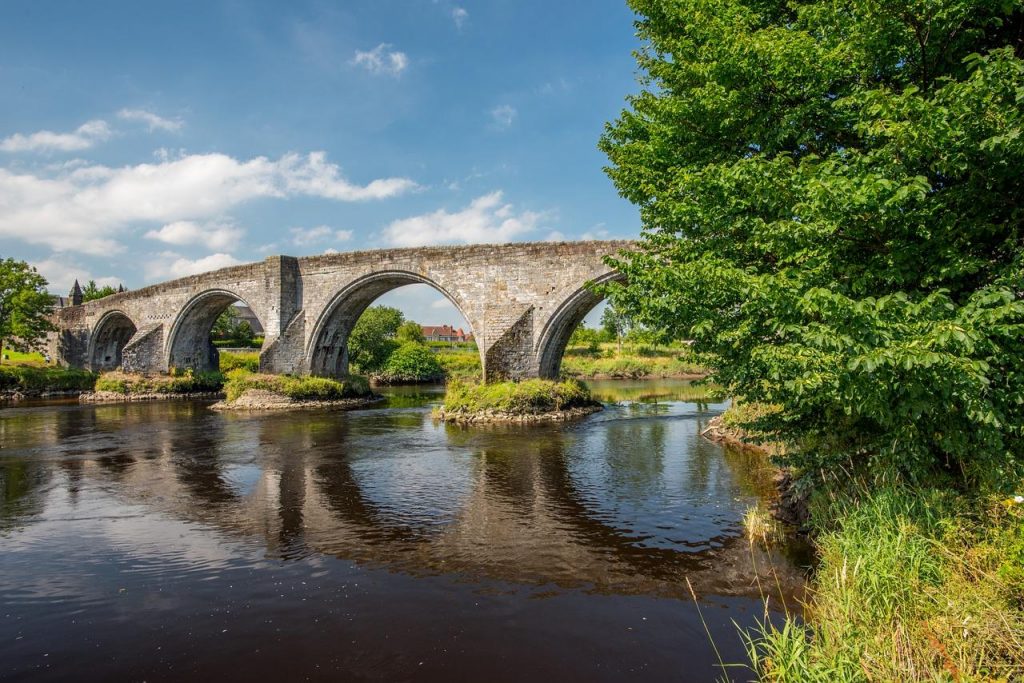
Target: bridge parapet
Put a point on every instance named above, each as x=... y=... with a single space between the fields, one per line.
x=514 y=297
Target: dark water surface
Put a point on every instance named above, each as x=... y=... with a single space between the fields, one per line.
x=164 y=541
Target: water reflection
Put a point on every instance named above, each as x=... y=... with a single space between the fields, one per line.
x=628 y=502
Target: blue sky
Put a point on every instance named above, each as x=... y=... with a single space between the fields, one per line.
x=141 y=141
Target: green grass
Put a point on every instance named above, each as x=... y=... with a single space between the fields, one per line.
x=630 y=366
x=244 y=360
x=515 y=398
x=22 y=358
x=461 y=365
x=182 y=383
x=27 y=378
x=297 y=388
x=912 y=586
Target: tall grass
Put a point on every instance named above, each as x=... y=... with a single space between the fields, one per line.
x=244 y=360
x=911 y=586
x=186 y=382
x=297 y=388
x=516 y=398
x=27 y=378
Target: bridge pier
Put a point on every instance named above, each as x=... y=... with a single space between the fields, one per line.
x=522 y=301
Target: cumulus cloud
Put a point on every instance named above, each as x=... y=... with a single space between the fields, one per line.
x=83 y=137
x=460 y=16
x=87 y=207
x=503 y=116
x=61 y=274
x=172 y=265
x=212 y=235
x=486 y=219
x=381 y=60
x=152 y=121
x=302 y=237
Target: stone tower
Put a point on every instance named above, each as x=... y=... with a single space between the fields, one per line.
x=75 y=295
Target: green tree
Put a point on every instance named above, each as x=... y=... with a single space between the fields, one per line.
x=587 y=338
x=372 y=338
x=92 y=291
x=830 y=198
x=412 y=362
x=410 y=331
x=25 y=306
x=230 y=327
x=615 y=322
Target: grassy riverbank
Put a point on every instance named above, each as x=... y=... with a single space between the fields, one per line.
x=509 y=399
x=913 y=584
x=181 y=383
x=296 y=388
x=29 y=379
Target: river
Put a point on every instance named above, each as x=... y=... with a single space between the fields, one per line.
x=165 y=541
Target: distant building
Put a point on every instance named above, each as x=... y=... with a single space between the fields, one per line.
x=445 y=333
x=245 y=313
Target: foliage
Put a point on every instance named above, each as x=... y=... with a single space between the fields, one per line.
x=410 y=331
x=461 y=365
x=233 y=361
x=829 y=200
x=516 y=398
x=92 y=291
x=25 y=378
x=25 y=306
x=909 y=588
x=297 y=388
x=185 y=382
x=230 y=327
x=411 y=362
x=588 y=338
x=632 y=366
x=372 y=338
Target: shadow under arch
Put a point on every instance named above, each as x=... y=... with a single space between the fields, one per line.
x=327 y=353
x=566 y=318
x=189 y=344
x=108 y=339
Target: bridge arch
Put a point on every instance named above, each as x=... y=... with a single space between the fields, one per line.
x=554 y=336
x=188 y=343
x=108 y=339
x=327 y=352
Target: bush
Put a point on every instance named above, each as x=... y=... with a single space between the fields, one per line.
x=233 y=361
x=181 y=382
x=527 y=397
x=297 y=388
x=411 y=362
x=461 y=365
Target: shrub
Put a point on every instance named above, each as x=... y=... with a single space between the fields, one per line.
x=461 y=365
x=411 y=362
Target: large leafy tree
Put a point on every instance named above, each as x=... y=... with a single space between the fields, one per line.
x=372 y=338
x=25 y=306
x=831 y=194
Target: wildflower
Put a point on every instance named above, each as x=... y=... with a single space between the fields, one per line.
x=1018 y=499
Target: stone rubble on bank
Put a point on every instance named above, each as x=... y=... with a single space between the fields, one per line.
x=492 y=416
x=261 y=399
x=118 y=397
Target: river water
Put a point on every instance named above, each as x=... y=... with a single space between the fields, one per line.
x=165 y=541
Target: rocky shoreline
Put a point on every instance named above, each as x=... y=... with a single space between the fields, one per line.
x=495 y=416
x=118 y=397
x=263 y=400
x=790 y=506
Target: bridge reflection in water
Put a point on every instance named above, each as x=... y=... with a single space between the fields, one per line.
x=630 y=502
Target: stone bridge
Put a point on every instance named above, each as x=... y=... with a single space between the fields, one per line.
x=521 y=300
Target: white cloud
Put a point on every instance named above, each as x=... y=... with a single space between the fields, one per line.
x=381 y=60
x=83 y=137
x=152 y=121
x=460 y=16
x=486 y=219
x=503 y=116
x=302 y=237
x=555 y=236
x=172 y=265
x=61 y=274
x=87 y=208
x=213 y=235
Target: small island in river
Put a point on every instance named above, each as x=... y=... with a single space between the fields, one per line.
x=534 y=400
